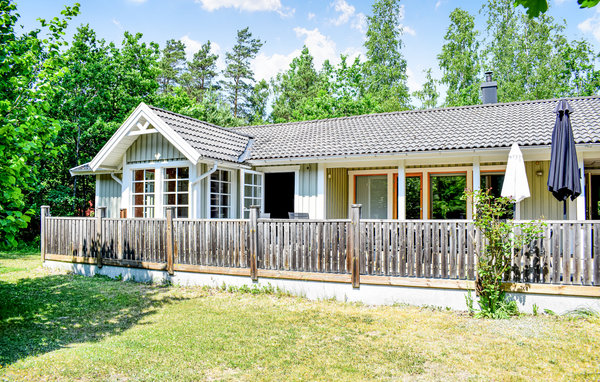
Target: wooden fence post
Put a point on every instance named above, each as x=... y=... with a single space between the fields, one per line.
x=45 y=212
x=353 y=247
x=254 y=211
x=100 y=214
x=170 y=240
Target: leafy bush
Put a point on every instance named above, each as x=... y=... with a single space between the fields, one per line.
x=502 y=238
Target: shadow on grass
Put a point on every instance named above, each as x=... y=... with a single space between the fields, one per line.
x=39 y=315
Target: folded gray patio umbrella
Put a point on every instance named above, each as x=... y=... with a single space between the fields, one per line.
x=563 y=176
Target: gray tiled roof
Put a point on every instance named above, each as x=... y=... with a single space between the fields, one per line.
x=210 y=141
x=468 y=127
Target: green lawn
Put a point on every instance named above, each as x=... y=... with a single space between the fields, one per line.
x=56 y=326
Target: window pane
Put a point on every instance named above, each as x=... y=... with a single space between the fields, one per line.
x=446 y=193
x=371 y=192
x=182 y=199
x=139 y=175
x=182 y=212
x=413 y=197
x=149 y=200
x=149 y=174
x=170 y=199
x=149 y=187
x=138 y=200
x=182 y=185
x=494 y=182
x=224 y=188
x=224 y=200
x=225 y=176
x=170 y=186
x=149 y=212
x=170 y=173
x=183 y=172
x=138 y=188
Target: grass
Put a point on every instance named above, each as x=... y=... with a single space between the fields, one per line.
x=57 y=326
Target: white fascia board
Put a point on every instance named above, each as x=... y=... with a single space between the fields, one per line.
x=143 y=110
x=175 y=139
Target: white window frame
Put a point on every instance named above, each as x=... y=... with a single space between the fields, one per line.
x=230 y=206
x=164 y=192
x=144 y=194
x=128 y=176
x=244 y=197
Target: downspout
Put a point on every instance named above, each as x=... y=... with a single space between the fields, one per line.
x=199 y=178
x=112 y=175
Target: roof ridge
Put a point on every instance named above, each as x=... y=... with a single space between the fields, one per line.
x=415 y=111
x=228 y=129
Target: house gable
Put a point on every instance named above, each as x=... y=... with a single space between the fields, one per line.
x=142 y=122
x=150 y=148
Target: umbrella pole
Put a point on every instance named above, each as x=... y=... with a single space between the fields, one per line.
x=564 y=210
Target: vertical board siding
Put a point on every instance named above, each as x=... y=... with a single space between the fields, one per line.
x=568 y=252
x=337 y=193
x=109 y=195
x=541 y=204
x=152 y=147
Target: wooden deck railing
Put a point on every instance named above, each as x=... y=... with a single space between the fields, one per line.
x=569 y=253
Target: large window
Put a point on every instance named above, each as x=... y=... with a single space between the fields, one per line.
x=220 y=194
x=143 y=193
x=446 y=191
x=253 y=185
x=176 y=190
x=372 y=193
x=494 y=182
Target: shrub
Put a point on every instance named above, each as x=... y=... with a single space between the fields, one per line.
x=502 y=238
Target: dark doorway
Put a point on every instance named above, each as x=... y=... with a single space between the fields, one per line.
x=279 y=194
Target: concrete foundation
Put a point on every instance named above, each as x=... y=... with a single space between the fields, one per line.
x=315 y=290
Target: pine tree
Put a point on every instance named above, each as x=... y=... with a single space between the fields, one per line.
x=171 y=65
x=239 y=78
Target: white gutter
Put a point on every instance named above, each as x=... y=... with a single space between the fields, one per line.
x=199 y=178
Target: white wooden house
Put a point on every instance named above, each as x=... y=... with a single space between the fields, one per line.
x=397 y=165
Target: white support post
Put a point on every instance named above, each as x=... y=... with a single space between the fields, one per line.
x=401 y=190
x=476 y=183
x=581 y=198
x=320 y=207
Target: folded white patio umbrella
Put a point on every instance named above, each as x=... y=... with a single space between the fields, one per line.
x=515 y=184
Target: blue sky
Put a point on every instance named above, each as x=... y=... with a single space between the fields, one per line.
x=329 y=28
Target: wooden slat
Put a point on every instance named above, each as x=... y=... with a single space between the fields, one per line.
x=567 y=242
x=578 y=237
x=587 y=255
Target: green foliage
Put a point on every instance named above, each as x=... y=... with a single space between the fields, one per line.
x=295 y=87
x=258 y=103
x=536 y=7
x=428 y=95
x=238 y=74
x=103 y=85
x=201 y=73
x=527 y=55
x=385 y=66
x=446 y=197
x=171 y=65
x=459 y=60
x=501 y=238
x=31 y=66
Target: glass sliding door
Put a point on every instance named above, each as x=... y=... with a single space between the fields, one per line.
x=372 y=192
